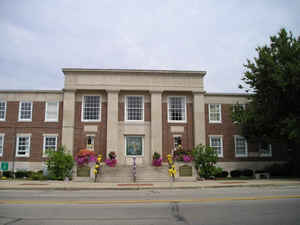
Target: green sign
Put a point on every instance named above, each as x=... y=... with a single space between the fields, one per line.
x=4 y=166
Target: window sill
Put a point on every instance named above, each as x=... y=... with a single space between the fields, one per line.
x=24 y=120
x=241 y=156
x=214 y=121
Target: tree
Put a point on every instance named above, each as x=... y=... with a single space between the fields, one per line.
x=60 y=164
x=273 y=81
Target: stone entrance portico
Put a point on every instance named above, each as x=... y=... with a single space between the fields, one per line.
x=112 y=129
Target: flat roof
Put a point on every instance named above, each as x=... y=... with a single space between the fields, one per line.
x=30 y=91
x=134 y=71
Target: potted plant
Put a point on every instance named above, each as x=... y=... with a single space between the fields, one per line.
x=156 y=159
x=111 y=161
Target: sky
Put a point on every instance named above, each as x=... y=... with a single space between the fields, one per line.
x=39 y=38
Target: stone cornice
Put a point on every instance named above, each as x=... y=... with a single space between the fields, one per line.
x=133 y=71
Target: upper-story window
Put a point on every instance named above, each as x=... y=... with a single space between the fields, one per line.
x=1 y=144
x=241 y=147
x=134 y=108
x=2 y=110
x=25 y=111
x=216 y=142
x=91 y=108
x=177 y=109
x=214 y=112
x=51 y=112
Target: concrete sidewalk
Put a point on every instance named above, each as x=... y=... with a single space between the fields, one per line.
x=71 y=185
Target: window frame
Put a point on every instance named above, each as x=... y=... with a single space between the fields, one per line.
x=5 y=108
x=185 y=109
x=261 y=150
x=221 y=155
x=20 y=111
x=27 y=154
x=143 y=146
x=235 y=147
x=83 y=109
x=126 y=108
x=2 y=135
x=57 y=112
x=45 y=136
x=220 y=112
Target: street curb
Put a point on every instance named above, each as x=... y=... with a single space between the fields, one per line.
x=143 y=188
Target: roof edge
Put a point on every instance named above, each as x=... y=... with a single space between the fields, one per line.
x=227 y=94
x=30 y=91
x=134 y=71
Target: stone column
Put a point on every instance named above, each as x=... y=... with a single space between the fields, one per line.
x=68 y=120
x=112 y=121
x=199 y=119
x=156 y=122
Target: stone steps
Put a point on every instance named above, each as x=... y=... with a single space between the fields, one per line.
x=144 y=174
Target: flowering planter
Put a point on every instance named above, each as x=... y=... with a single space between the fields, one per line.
x=157 y=162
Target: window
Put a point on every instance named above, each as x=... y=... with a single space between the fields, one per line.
x=177 y=109
x=2 y=110
x=265 y=149
x=50 y=142
x=214 y=112
x=90 y=142
x=1 y=144
x=23 y=145
x=177 y=141
x=216 y=142
x=51 y=112
x=25 y=111
x=134 y=145
x=134 y=108
x=241 y=148
x=91 y=108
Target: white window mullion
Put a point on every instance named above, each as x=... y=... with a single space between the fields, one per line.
x=177 y=109
x=241 y=146
x=214 y=113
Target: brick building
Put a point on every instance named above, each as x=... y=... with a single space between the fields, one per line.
x=131 y=112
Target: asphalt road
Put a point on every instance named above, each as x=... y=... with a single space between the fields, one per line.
x=240 y=206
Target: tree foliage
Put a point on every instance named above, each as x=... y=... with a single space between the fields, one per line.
x=205 y=159
x=60 y=164
x=273 y=81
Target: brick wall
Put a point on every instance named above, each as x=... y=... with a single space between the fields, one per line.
x=11 y=127
x=228 y=129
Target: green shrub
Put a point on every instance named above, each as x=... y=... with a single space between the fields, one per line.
x=279 y=169
x=60 y=164
x=223 y=174
x=235 y=173
x=23 y=173
x=205 y=159
x=247 y=173
x=7 y=174
x=37 y=176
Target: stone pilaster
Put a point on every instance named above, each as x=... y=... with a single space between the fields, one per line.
x=156 y=122
x=68 y=121
x=112 y=121
x=199 y=118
